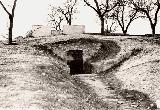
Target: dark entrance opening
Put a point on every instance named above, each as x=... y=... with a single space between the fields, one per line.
x=75 y=61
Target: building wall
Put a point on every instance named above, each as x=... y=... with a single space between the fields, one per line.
x=73 y=29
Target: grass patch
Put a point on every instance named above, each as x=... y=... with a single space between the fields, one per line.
x=78 y=40
x=126 y=57
x=48 y=51
x=108 y=49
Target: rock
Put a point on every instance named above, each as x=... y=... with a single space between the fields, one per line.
x=158 y=103
x=1 y=43
x=19 y=39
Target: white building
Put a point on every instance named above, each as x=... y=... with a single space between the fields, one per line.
x=40 y=30
x=73 y=29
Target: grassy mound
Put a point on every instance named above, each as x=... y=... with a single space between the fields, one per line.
x=94 y=50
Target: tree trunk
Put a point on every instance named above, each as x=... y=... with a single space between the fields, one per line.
x=124 y=32
x=70 y=23
x=10 y=29
x=102 y=25
x=70 y=20
x=153 y=27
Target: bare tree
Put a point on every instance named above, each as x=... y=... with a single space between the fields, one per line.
x=11 y=16
x=101 y=8
x=111 y=24
x=124 y=14
x=150 y=8
x=56 y=18
x=68 y=10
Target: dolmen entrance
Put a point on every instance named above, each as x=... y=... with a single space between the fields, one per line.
x=75 y=61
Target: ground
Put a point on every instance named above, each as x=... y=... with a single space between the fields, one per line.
x=125 y=74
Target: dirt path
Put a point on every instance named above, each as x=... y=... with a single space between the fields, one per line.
x=106 y=93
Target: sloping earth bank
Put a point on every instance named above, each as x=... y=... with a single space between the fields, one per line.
x=138 y=77
x=31 y=80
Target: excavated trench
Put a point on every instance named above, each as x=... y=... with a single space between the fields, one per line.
x=83 y=53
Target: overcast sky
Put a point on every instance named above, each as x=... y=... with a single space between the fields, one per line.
x=32 y=12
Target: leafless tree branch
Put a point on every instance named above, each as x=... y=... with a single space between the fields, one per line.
x=101 y=9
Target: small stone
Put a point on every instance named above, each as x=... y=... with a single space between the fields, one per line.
x=43 y=74
x=158 y=103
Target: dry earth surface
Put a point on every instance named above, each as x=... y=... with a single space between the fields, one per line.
x=35 y=78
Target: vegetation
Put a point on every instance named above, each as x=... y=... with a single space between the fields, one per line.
x=150 y=8
x=121 y=12
x=64 y=12
x=124 y=15
x=102 y=9
x=124 y=12
x=56 y=19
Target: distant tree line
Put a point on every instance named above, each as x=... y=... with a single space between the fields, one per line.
x=123 y=12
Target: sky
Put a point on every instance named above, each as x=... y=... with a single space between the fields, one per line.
x=33 y=12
